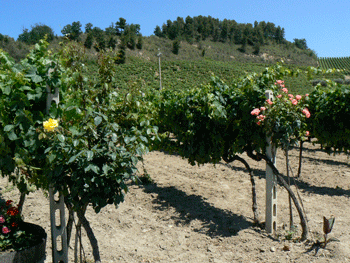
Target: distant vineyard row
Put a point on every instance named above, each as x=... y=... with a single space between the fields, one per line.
x=337 y=63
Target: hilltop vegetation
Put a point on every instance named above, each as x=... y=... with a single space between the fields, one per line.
x=189 y=39
x=192 y=49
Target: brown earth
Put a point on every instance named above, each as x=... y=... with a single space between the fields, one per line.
x=203 y=213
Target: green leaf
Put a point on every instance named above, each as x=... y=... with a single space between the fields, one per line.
x=73 y=130
x=89 y=155
x=61 y=137
x=75 y=143
x=29 y=143
x=52 y=157
x=42 y=135
x=98 y=120
x=37 y=79
x=8 y=128
x=114 y=137
x=143 y=138
x=12 y=136
x=25 y=88
x=7 y=90
x=129 y=139
x=92 y=167
x=47 y=150
x=105 y=168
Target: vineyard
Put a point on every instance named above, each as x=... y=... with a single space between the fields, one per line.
x=94 y=149
x=342 y=63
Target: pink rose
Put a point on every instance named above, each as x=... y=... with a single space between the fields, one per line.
x=269 y=101
x=2 y=220
x=279 y=96
x=298 y=97
x=280 y=83
x=307 y=94
x=294 y=102
x=262 y=108
x=307 y=133
x=285 y=90
x=5 y=230
x=255 y=112
x=306 y=112
x=261 y=117
x=291 y=96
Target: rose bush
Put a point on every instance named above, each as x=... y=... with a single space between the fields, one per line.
x=12 y=235
x=87 y=147
x=284 y=117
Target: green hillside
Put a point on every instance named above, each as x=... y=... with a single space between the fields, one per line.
x=192 y=50
x=342 y=63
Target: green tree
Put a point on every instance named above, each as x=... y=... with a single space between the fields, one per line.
x=111 y=30
x=139 y=42
x=189 y=31
x=224 y=32
x=300 y=43
x=171 y=30
x=25 y=36
x=88 y=28
x=130 y=34
x=121 y=56
x=176 y=46
x=89 y=41
x=158 y=32
x=279 y=35
x=243 y=48
x=72 y=31
x=37 y=32
x=99 y=36
x=256 y=48
x=112 y=42
x=120 y=25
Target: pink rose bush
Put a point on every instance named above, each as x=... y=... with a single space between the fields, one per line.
x=284 y=116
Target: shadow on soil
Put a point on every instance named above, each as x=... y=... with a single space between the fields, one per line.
x=215 y=221
x=321 y=190
x=326 y=161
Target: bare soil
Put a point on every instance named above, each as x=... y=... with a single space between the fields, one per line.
x=203 y=213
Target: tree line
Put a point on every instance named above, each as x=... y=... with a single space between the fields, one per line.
x=119 y=35
x=226 y=31
x=123 y=35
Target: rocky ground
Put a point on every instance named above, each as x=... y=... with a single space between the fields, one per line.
x=203 y=213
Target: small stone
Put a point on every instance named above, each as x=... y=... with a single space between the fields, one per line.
x=211 y=248
x=273 y=249
x=286 y=248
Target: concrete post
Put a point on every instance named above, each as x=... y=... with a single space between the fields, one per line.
x=271 y=182
x=58 y=228
x=58 y=231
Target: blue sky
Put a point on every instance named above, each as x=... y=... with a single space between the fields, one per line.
x=325 y=24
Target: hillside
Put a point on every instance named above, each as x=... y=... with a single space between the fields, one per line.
x=224 y=52
x=191 y=68
x=193 y=65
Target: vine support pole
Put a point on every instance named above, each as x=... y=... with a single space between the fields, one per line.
x=160 y=70
x=271 y=183
x=58 y=225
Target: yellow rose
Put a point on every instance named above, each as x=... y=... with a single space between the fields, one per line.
x=50 y=125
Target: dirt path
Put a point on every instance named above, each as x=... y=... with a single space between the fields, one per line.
x=203 y=213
